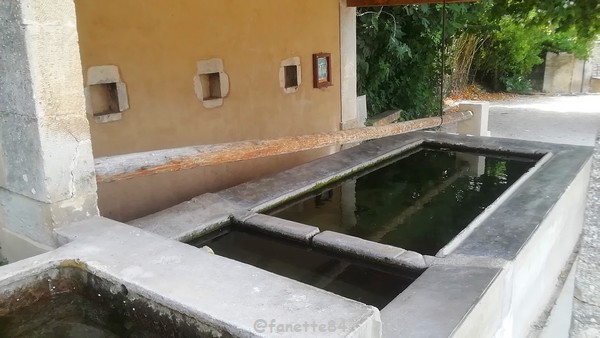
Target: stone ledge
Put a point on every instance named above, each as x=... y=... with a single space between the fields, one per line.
x=281 y=227
x=369 y=250
x=218 y=291
x=189 y=219
x=444 y=293
x=17 y=215
x=386 y=118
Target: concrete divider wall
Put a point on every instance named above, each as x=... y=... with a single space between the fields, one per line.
x=527 y=287
x=535 y=271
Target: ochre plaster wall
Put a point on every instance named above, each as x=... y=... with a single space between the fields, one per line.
x=156 y=44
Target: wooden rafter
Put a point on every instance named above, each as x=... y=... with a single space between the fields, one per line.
x=123 y=167
x=374 y=3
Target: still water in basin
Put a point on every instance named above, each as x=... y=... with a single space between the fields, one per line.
x=71 y=303
x=70 y=316
x=419 y=202
x=368 y=284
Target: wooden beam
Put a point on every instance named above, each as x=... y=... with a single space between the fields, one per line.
x=123 y=167
x=375 y=3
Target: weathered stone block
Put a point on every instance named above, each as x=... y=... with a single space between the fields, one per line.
x=49 y=160
x=282 y=227
x=36 y=220
x=47 y=173
x=16 y=247
x=21 y=161
x=478 y=125
x=359 y=247
x=55 y=67
x=68 y=160
x=15 y=79
x=40 y=64
x=49 y=13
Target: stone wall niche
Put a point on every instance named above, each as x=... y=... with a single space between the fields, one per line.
x=211 y=83
x=290 y=75
x=105 y=93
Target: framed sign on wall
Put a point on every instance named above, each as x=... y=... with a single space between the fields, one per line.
x=322 y=70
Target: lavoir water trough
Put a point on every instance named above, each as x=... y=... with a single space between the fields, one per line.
x=414 y=235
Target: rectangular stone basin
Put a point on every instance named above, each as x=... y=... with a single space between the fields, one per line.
x=70 y=302
x=513 y=250
x=369 y=283
x=418 y=201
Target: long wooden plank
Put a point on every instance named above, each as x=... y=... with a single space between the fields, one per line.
x=375 y=3
x=123 y=167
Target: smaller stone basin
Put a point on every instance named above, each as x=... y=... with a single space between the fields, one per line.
x=70 y=302
x=366 y=282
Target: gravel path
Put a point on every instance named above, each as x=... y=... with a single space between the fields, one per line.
x=572 y=120
x=558 y=119
x=586 y=313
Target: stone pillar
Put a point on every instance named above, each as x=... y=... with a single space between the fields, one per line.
x=47 y=173
x=348 y=65
x=478 y=125
x=475 y=163
x=361 y=108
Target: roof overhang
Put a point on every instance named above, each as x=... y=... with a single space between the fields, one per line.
x=371 y=3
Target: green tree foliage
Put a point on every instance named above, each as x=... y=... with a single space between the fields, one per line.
x=399 y=56
x=568 y=41
x=580 y=16
x=399 y=47
x=517 y=33
x=511 y=50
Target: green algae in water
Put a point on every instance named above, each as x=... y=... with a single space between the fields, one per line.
x=370 y=284
x=69 y=316
x=420 y=202
x=68 y=302
x=3 y=260
x=72 y=315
